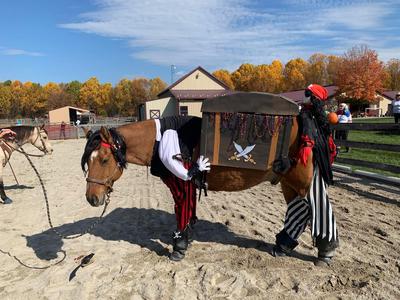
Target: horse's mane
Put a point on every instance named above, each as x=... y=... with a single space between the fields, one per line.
x=94 y=141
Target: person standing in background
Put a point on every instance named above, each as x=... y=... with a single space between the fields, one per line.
x=344 y=116
x=62 y=130
x=396 y=108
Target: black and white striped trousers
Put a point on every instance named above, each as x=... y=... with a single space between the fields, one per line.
x=316 y=210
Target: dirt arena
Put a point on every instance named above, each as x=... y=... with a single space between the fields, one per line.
x=229 y=259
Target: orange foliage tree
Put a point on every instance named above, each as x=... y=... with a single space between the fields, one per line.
x=294 y=74
x=242 y=78
x=225 y=77
x=360 y=74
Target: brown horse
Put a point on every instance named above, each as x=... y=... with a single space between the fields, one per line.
x=134 y=143
x=37 y=136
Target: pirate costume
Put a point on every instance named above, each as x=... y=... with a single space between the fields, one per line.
x=176 y=139
x=315 y=209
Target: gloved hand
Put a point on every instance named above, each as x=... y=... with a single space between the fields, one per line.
x=203 y=163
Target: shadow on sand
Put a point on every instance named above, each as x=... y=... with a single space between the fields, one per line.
x=18 y=187
x=143 y=227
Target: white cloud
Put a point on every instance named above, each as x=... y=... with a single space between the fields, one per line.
x=14 y=52
x=226 y=33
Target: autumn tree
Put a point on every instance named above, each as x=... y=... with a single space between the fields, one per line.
x=268 y=78
x=294 y=74
x=121 y=98
x=140 y=94
x=243 y=76
x=89 y=95
x=73 y=90
x=32 y=101
x=225 y=77
x=6 y=98
x=392 y=69
x=360 y=74
x=333 y=63
x=156 y=86
x=17 y=92
x=316 y=71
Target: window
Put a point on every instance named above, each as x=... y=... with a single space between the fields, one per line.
x=154 y=113
x=183 y=111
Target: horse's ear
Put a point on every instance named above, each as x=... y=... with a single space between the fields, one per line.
x=42 y=127
x=106 y=136
x=88 y=132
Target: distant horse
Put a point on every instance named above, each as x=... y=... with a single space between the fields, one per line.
x=134 y=143
x=37 y=136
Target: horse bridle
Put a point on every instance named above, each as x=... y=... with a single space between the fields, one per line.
x=39 y=136
x=22 y=151
x=108 y=182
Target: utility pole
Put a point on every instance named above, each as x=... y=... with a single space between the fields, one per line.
x=173 y=68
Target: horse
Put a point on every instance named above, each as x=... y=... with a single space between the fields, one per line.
x=35 y=135
x=134 y=143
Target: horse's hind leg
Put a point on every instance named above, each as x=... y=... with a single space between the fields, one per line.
x=4 y=198
x=296 y=218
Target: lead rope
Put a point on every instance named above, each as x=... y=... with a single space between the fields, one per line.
x=67 y=237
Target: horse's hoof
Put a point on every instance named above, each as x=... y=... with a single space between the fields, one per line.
x=6 y=201
x=323 y=261
x=278 y=252
x=176 y=256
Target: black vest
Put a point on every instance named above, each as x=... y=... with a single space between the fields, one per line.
x=188 y=129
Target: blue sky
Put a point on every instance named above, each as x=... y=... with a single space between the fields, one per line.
x=64 y=40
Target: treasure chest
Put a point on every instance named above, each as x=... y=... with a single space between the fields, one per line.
x=247 y=130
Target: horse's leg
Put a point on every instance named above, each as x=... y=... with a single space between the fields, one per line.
x=295 y=185
x=4 y=198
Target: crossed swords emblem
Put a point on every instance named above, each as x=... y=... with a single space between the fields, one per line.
x=245 y=153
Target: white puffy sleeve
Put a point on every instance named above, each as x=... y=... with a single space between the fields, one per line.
x=169 y=146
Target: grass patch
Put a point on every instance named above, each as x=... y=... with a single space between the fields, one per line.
x=378 y=137
x=371 y=155
x=384 y=120
x=378 y=156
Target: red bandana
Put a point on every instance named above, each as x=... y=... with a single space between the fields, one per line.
x=319 y=91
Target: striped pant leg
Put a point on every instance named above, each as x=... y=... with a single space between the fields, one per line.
x=323 y=222
x=184 y=194
x=297 y=216
x=296 y=219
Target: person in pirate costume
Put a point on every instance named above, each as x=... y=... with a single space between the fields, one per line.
x=315 y=209
x=176 y=140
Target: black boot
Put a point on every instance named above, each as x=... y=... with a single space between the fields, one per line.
x=180 y=242
x=284 y=244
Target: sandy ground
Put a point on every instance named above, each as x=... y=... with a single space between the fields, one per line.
x=229 y=259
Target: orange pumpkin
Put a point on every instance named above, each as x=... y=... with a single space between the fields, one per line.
x=333 y=118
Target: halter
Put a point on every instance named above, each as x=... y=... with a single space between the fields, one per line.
x=108 y=181
x=39 y=136
x=22 y=151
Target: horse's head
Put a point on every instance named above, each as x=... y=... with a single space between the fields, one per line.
x=40 y=139
x=104 y=158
